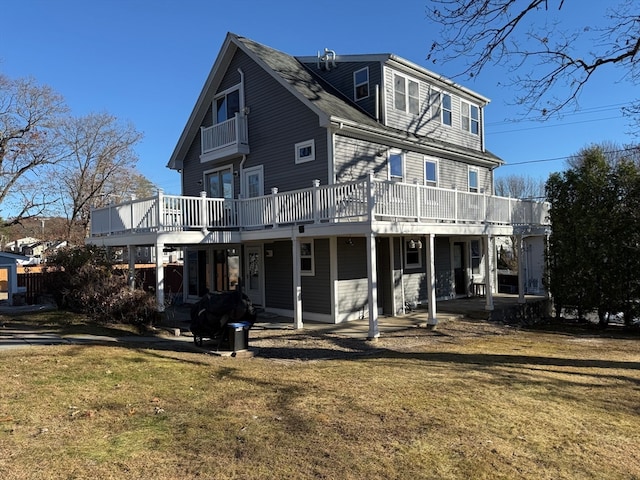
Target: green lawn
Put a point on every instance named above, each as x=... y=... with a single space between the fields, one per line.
x=512 y=404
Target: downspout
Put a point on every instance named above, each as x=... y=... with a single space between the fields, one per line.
x=242 y=192
x=377 y=101
x=243 y=110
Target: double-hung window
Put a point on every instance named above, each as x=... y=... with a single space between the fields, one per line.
x=361 y=83
x=306 y=259
x=396 y=166
x=406 y=94
x=470 y=118
x=431 y=172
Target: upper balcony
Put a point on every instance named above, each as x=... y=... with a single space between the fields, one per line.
x=365 y=201
x=226 y=139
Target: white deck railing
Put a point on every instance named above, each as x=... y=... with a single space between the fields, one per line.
x=359 y=201
x=224 y=134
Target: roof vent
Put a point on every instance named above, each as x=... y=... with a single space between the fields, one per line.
x=328 y=60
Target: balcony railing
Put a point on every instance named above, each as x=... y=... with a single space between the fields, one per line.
x=359 y=201
x=230 y=135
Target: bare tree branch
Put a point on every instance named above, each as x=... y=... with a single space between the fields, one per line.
x=550 y=65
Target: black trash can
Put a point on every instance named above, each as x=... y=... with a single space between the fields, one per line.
x=238 y=334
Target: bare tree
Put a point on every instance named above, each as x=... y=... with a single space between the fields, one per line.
x=28 y=148
x=519 y=186
x=99 y=155
x=550 y=65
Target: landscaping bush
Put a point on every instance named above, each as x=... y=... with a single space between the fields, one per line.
x=87 y=280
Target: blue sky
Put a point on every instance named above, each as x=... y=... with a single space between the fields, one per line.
x=145 y=61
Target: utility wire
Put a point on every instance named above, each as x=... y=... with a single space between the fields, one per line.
x=526 y=162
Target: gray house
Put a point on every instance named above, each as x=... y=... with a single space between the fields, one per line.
x=333 y=187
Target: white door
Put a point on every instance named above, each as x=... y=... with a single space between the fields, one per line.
x=253 y=274
x=253 y=182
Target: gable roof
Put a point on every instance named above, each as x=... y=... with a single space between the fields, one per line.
x=328 y=103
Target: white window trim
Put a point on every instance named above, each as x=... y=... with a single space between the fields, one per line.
x=403 y=157
x=469 y=117
x=206 y=173
x=437 y=162
x=312 y=272
x=305 y=144
x=214 y=103
x=469 y=170
x=356 y=85
x=407 y=103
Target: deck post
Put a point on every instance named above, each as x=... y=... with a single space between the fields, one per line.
x=132 y=267
x=316 y=201
x=274 y=206
x=374 y=332
x=159 y=277
x=432 y=320
x=204 y=220
x=488 y=279
x=521 y=269
x=160 y=210
x=297 y=284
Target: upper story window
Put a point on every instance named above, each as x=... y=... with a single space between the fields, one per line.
x=406 y=94
x=431 y=172
x=470 y=118
x=361 y=83
x=396 y=166
x=227 y=105
x=305 y=151
x=473 y=180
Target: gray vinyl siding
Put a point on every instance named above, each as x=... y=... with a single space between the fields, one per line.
x=341 y=78
x=352 y=276
x=316 y=289
x=278 y=274
x=424 y=124
x=277 y=120
x=355 y=158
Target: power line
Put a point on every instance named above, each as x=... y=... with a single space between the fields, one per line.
x=555 y=125
x=526 y=162
x=586 y=111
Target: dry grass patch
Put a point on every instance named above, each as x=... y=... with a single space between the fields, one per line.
x=506 y=404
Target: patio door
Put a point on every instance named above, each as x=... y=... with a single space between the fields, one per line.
x=254 y=271
x=459 y=268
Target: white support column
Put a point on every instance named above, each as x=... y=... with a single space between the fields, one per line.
x=488 y=279
x=521 y=270
x=297 y=284
x=132 y=267
x=333 y=278
x=159 y=277
x=373 y=286
x=431 y=280
x=392 y=272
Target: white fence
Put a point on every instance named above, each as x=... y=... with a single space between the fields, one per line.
x=362 y=201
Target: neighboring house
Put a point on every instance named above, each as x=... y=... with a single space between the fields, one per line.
x=334 y=187
x=9 y=277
